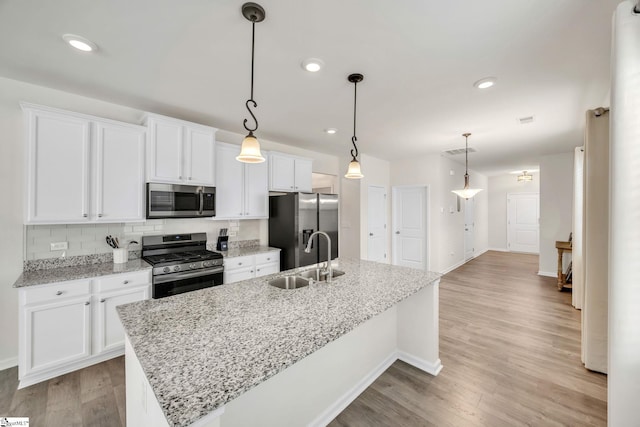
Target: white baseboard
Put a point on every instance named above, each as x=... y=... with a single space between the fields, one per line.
x=453 y=267
x=424 y=365
x=498 y=249
x=8 y=363
x=345 y=400
x=480 y=253
x=548 y=273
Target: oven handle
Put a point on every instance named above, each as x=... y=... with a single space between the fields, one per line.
x=187 y=275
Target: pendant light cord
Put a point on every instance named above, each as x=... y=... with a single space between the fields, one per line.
x=250 y=100
x=353 y=138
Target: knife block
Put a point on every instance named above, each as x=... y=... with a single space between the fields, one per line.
x=223 y=243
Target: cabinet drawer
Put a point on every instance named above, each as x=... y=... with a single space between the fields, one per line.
x=238 y=262
x=122 y=281
x=267 y=257
x=51 y=292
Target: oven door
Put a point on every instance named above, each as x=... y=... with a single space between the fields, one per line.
x=178 y=283
x=180 y=201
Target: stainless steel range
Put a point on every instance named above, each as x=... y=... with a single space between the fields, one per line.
x=181 y=263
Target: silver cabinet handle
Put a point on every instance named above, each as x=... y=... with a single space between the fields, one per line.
x=102 y=300
x=87 y=303
x=85 y=215
x=99 y=215
x=239 y=263
x=268 y=259
x=59 y=293
x=246 y=213
x=258 y=269
x=240 y=214
x=397 y=232
x=180 y=177
x=370 y=234
x=126 y=282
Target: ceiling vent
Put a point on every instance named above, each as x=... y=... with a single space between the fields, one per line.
x=526 y=120
x=459 y=151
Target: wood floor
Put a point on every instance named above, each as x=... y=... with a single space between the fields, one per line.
x=509 y=343
x=510 y=346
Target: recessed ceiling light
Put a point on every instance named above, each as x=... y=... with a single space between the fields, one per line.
x=312 y=64
x=331 y=131
x=80 y=42
x=485 y=83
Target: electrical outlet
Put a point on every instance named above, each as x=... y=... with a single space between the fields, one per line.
x=59 y=246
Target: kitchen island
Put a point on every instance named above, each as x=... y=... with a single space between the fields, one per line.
x=248 y=353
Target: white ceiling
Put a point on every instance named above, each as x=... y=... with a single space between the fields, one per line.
x=420 y=58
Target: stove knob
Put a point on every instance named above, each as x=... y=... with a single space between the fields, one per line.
x=192 y=266
x=166 y=269
x=176 y=268
x=206 y=264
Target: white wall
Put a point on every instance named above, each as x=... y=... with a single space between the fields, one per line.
x=13 y=247
x=446 y=228
x=376 y=172
x=556 y=207
x=499 y=187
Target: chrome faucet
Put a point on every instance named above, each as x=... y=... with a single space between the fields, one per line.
x=308 y=249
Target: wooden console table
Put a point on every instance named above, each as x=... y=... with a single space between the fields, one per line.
x=562 y=248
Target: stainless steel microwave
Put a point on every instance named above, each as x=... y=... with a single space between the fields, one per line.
x=180 y=201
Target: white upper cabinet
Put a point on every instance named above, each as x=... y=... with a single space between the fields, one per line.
x=180 y=152
x=82 y=168
x=289 y=173
x=241 y=188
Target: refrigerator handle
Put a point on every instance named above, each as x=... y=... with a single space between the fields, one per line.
x=306 y=233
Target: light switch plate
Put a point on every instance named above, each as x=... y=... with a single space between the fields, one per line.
x=59 y=246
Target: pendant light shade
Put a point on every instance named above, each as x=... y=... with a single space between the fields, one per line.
x=466 y=192
x=250 y=149
x=354 y=171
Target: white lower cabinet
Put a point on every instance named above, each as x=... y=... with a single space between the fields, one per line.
x=247 y=267
x=66 y=326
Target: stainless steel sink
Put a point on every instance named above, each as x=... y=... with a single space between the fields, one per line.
x=320 y=274
x=289 y=282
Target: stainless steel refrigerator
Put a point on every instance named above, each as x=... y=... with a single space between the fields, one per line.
x=293 y=217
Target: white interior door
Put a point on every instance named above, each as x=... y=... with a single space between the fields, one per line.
x=469 y=229
x=409 y=227
x=377 y=224
x=523 y=214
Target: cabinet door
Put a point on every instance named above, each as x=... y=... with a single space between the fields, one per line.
x=109 y=332
x=200 y=156
x=57 y=168
x=229 y=182
x=231 y=276
x=282 y=173
x=256 y=187
x=303 y=169
x=119 y=174
x=56 y=334
x=264 y=269
x=165 y=151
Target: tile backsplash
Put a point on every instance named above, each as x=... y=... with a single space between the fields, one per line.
x=89 y=239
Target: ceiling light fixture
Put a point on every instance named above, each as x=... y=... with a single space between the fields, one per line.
x=250 y=149
x=312 y=64
x=80 y=42
x=525 y=177
x=466 y=192
x=485 y=83
x=331 y=131
x=354 y=171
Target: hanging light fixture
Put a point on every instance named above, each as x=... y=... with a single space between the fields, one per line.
x=250 y=150
x=525 y=177
x=466 y=192
x=354 y=171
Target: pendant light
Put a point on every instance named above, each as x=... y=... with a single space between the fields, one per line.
x=466 y=192
x=250 y=150
x=354 y=166
x=525 y=177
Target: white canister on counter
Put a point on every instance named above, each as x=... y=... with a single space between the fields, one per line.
x=120 y=255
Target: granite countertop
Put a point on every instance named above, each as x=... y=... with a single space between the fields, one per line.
x=202 y=349
x=242 y=251
x=63 y=274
